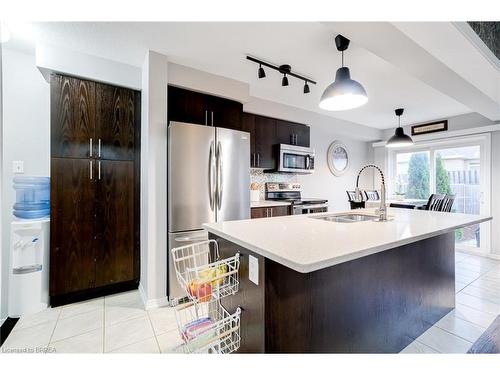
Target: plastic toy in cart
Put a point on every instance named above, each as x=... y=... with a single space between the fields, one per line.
x=202 y=273
x=208 y=328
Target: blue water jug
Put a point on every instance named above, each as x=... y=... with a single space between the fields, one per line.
x=32 y=197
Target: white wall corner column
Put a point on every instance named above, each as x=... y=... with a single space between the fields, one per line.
x=3 y=296
x=153 y=280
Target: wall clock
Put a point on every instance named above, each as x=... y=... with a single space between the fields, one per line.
x=338 y=158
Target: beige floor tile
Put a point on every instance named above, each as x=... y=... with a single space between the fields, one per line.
x=147 y=346
x=475 y=267
x=488 y=284
x=163 y=319
x=90 y=342
x=124 y=299
x=443 y=341
x=45 y=316
x=416 y=347
x=118 y=314
x=478 y=303
x=78 y=324
x=482 y=261
x=34 y=339
x=460 y=327
x=169 y=342
x=81 y=307
x=127 y=333
x=459 y=286
x=482 y=293
x=477 y=317
x=463 y=272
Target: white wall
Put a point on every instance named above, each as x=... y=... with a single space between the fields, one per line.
x=153 y=284
x=495 y=188
x=26 y=136
x=324 y=130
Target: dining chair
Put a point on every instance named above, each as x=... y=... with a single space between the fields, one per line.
x=447 y=203
x=434 y=203
x=372 y=195
x=351 y=195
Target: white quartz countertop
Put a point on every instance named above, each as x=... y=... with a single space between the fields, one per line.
x=305 y=244
x=257 y=204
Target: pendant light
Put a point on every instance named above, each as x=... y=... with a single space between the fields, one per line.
x=344 y=93
x=262 y=73
x=399 y=139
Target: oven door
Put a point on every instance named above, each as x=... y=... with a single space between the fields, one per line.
x=296 y=159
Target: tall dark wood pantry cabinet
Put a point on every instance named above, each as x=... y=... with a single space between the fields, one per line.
x=95 y=166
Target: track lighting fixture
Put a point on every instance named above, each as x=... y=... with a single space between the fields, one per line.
x=286 y=70
x=344 y=93
x=284 y=81
x=306 y=88
x=399 y=139
x=262 y=73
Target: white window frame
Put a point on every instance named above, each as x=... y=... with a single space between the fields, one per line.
x=484 y=141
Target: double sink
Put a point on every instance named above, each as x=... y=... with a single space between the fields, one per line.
x=345 y=218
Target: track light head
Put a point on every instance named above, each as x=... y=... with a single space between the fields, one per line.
x=262 y=73
x=284 y=81
x=399 y=111
x=306 y=88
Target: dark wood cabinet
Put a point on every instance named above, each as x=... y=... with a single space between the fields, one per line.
x=114 y=221
x=94 y=246
x=115 y=123
x=72 y=107
x=72 y=238
x=260 y=212
x=292 y=133
x=197 y=108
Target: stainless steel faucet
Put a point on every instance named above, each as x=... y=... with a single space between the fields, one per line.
x=382 y=211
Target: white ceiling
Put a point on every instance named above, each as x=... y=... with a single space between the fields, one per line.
x=220 y=48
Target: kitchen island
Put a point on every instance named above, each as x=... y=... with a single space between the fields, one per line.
x=309 y=285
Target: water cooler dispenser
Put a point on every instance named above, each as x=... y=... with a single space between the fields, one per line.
x=29 y=247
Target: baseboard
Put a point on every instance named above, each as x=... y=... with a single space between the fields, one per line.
x=152 y=303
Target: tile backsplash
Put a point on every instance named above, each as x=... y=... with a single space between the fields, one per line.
x=259 y=177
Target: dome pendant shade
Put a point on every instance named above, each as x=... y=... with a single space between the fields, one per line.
x=344 y=93
x=399 y=139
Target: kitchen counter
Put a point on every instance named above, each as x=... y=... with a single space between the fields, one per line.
x=264 y=203
x=314 y=286
x=305 y=244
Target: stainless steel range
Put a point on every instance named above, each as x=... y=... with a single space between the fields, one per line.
x=292 y=192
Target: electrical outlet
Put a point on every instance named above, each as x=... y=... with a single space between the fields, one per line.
x=18 y=166
x=253 y=269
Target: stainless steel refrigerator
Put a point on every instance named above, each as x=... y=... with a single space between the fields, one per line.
x=208 y=181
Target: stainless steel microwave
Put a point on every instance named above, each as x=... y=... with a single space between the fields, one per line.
x=295 y=159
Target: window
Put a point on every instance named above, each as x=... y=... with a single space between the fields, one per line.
x=460 y=167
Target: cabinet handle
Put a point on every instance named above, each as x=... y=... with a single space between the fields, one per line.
x=90 y=147
x=258 y=160
x=99 y=148
x=99 y=170
x=206 y=117
x=90 y=166
x=212 y=114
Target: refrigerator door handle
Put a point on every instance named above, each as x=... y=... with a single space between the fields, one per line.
x=219 y=175
x=211 y=179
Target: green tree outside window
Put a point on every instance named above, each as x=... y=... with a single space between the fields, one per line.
x=418 y=176
x=442 y=180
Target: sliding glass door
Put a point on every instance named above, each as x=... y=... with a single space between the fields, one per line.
x=461 y=167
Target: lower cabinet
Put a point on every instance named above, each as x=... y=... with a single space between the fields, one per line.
x=260 y=212
x=93 y=220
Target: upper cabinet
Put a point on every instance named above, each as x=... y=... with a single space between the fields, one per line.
x=196 y=108
x=90 y=119
x=72 y=117
x=116 y=116
x=292 y=133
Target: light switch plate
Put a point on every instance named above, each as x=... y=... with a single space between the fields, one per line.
x=18 y=166
x=253 y=269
